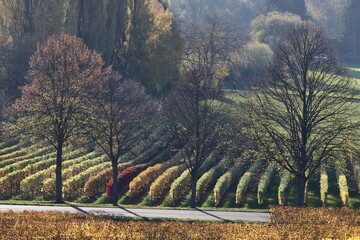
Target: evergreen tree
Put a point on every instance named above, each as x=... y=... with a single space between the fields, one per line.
x=154 y=48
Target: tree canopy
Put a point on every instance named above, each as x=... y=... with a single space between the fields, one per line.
x=302 y=111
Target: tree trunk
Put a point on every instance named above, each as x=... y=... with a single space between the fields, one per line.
x=115 y=190
x=58 y=172
x=301 y=190
x=193 y=192
x=80 y=20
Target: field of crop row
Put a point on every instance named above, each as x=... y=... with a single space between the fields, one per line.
x=152 y=174
x=288 y=223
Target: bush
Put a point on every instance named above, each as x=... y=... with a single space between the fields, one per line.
x=264 y=183
x=250 y=61
x=180 y=186
x=207 y=178
x=162 y=184
x=343 y=187
x=245 y=180
x=145 y=178
x=22 y=154
x=70 y=169
x=124 y=179
x=271 y=27
x=74 y=187
x=10 y=149
x=12 y=181
x=223 y=184
x=284 y=184
x=324 y=185
x=95 y=186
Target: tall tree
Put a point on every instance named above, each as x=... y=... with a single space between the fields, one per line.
x=62 y=70
x=272 y=26
x=120 y=115
x=302 y=112
x=195 y=117
x=155 y=47
x=194 y=114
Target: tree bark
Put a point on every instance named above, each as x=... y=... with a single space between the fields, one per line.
x=301 y=190
x=193 y=192
x=58 y=172
x=115 y=191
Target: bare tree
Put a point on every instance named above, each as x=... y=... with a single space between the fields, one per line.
x=195 y=118
x=52 y=102
x=120 y=115
x=302 y=109
x=193 y=109
x=211 y=40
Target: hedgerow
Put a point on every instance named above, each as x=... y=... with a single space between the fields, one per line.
x=11 y=182
x=23 y=150
x=10 y=149
x=70 y=170
x=180 y=186
x=95 y=186
x=324 y=185
x=207 y=179
x=343 y=187
x=245 y=180
x=284 y=184
x=19 y=163
x=224 y=183
x=23 y=153
x=32 y=185
x=74 y=187
x=162 y=184
x=124 y=179
x=147 y=177
x=264 y=183
x=8 y=143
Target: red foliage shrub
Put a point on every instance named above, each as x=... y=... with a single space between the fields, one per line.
x=124 y=179
x=96 y=185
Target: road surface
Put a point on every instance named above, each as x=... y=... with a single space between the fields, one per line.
x=147 y=213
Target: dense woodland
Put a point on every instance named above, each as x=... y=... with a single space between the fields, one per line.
x=144 y=40
x=208 y=97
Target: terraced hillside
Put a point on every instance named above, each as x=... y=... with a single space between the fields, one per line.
x=154 y=175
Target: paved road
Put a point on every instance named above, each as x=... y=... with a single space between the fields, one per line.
x=146 y=213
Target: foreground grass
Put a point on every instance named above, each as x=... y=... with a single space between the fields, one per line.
x=288 y=223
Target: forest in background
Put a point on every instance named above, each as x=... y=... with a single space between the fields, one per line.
x=145 y=39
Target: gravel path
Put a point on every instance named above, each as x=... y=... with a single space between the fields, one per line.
x=147 y=213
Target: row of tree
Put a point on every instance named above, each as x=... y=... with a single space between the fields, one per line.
x=300 y=115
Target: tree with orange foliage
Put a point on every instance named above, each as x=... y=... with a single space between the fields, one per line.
x=61 y=73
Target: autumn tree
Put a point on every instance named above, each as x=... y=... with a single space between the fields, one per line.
x=61 y=72
x=154 y=48
x=270 y=28
x=120 y=115
x=301 y=112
